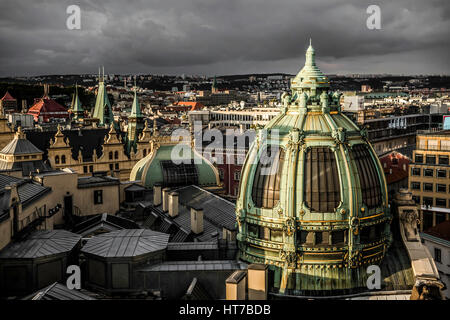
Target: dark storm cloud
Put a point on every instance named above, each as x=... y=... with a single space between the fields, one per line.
x=223 y=36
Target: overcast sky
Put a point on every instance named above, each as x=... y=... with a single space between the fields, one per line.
x=223 y=36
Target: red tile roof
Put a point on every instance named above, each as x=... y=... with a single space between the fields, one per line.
x=7 y=97
x=48 y=108
x=194 y=105
x=442 y=230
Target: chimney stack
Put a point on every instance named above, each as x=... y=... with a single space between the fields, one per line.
x=173 y=204
x=165 y=199
x=156 y=194
x=197 y=220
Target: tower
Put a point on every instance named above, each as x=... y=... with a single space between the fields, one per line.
x=313 y=199
x=214 y=88
x=75 y=106
x=102 y=109
x=134 y=123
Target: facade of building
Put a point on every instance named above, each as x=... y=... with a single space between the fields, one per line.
x=437 y=240
x=429 y=177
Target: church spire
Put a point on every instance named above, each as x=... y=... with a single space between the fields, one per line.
x=103 y=109
x=76 y=107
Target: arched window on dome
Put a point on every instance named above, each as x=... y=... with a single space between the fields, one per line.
x=322 y=187
x=266 y=185
x=368 y=176
x=63 y=159
x=56 y=159
x=116 y=154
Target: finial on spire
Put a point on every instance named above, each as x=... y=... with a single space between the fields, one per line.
x=310 y=42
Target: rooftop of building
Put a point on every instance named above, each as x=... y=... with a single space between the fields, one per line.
x=40 y=244
x=441 y=230
x=126 y=243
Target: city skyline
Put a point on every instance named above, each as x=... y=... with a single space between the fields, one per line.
x=233 y=37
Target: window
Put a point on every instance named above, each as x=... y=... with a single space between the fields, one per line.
x=415 y=185
x=394 y=161
x=431 y=159
x=368 y=176
x=443 y=160
x=91 y=168
x=322 y=238
x=416 y=199
x=110 y=155
x=428 y=187
x=179 y=174
x=116 y=154
x=221 y=174
x=428 y=172
x=441 y=187
x=419 y=158
x=63 y=159
x=98 y=196
x=237 y=175
x=338 y=237
x=85 y=169
x=56 y=159
x=428 y=201
x=322 y=188
x=111 y=166
x=441 y=202
x=266 y=185
x=415 y=171
x=441 y=173
x=116 y=166
x=145 y=152
x=437 y=255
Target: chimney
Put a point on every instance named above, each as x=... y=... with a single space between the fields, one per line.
x=257 y=277
x=165 y=199
x=173 y=204
x=156 y=194
x=197 y=220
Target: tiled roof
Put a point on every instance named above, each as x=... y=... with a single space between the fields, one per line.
x=42 y=243
x=47 y=106
x=126 y=243
x=442 y=230
x=8 y=97
x=105 y=221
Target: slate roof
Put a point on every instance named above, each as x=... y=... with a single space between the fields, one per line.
x=217 y=211
x=57 y=291
x=105 y=221
x=212 y=245
x=28 y=190
x=42 y=243
x=20 y=146
x=85 y=140
x=442 y=230
x=182 y=266
x=126 y=243
x=87 y=182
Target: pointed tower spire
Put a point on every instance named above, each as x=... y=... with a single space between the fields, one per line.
x=76 y=107
x=102 y=109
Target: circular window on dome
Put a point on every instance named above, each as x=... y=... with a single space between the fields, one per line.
x=266 y=183
x=322 y=186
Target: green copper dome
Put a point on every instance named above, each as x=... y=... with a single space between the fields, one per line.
x=317 y=213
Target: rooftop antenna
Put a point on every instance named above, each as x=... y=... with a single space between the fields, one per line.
x=103 y=75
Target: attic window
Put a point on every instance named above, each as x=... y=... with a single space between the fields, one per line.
x=322 y=187
x=266 y=185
